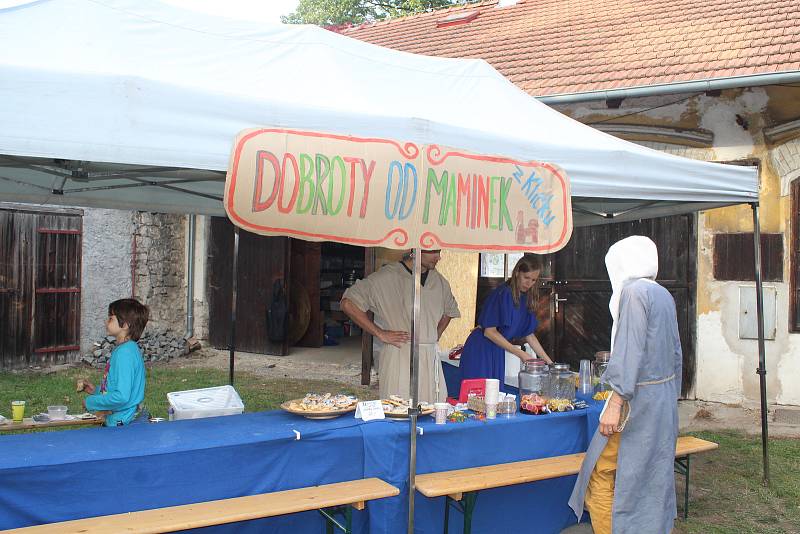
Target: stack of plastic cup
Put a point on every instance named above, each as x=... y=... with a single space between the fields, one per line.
x=491 y=397
x=440 y=412
x=585 y=378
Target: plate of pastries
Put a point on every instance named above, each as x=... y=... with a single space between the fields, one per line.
x=321 y=405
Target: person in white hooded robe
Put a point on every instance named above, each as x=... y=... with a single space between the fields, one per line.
x=626 y=481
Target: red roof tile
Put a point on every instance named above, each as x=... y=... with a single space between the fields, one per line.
x=565 y=46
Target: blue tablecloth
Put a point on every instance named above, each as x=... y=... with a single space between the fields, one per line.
x=57 y=476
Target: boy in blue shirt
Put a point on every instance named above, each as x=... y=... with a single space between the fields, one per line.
x=122 y=388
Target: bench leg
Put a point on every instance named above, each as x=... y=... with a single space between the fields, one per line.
x=469 y=506
x=682 y=466
x=446 y=514
x=466 y=506
x=331 y=522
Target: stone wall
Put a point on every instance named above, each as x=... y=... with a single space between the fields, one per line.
x=105 y=269
x=159 y=268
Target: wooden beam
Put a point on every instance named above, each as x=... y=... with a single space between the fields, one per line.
x=366 y=338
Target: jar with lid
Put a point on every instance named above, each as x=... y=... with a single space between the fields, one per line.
x=562 y=382
x=601 y=359
x=534 y=386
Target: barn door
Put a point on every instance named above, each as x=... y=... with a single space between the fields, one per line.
x=16 y=296
x=263 y=261
x=579 y=288
x=40 y=287
x=57 y=309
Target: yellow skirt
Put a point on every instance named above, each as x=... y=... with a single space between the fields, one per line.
x=600 y=491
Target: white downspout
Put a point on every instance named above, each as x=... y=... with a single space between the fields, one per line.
x=190 y=277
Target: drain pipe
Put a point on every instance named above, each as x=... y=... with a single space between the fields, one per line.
x=190 y=279
x=699 y=86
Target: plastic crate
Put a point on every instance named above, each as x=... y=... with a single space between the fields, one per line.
x=206 y=402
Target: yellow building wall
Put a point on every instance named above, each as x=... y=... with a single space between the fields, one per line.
x=741 y=123
x=461 y=270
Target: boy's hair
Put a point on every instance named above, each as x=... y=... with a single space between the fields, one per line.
x=130 y=312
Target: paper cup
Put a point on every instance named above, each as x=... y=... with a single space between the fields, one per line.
x=491 y=411
x=17 y=411
x=492 y=391
x=440 y=412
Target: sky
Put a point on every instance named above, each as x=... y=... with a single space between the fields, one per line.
x=266 y=10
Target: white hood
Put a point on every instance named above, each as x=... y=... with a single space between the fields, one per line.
x=629 y=259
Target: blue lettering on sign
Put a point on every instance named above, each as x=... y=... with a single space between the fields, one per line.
x=518 y=173
x=539 y=200
x=392 y=212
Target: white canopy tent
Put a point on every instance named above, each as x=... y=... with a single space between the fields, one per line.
x=134 y=104
x=95 y=95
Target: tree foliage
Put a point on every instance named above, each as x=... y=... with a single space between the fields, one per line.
x=338 y=12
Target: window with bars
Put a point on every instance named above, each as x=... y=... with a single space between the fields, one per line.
x=734 y=257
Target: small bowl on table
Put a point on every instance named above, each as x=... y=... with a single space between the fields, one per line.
x=57 y=413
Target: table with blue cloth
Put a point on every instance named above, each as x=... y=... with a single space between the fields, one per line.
x=57 y=476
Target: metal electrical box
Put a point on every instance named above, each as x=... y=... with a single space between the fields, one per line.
x=748 y=316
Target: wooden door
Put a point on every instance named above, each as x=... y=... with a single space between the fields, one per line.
x=40 y=287
x=580 y=291
x=262 y=262
x=57 y=309
x=16 y=289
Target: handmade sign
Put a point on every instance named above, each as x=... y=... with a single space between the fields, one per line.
x=381 y=192
x=369 y=410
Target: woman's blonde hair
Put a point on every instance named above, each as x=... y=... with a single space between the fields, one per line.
x=526 y=264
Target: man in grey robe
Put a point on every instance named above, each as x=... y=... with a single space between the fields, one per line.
x=627 y=478
x=388 y=294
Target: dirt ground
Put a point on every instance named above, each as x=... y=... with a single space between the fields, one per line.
x=343 y=363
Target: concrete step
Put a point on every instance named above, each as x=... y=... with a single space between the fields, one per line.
x=787 y=415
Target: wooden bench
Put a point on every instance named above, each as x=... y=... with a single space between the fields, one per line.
x=329 y=500
x=461 y=486
x=684 y=449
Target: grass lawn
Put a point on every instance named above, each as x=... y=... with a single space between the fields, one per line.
x=258 y=393
x=727 y=496
x=726 y=493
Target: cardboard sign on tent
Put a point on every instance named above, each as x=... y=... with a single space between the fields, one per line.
x=382 y=192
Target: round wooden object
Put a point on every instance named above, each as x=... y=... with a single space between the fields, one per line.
x=299 y=312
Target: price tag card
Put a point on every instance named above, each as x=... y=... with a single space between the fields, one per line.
x=369 y=410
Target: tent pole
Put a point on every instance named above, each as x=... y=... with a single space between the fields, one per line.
x=234 y=293
x=413 y=409
x=762 y=368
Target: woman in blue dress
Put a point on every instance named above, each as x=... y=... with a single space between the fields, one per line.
x=509 y=312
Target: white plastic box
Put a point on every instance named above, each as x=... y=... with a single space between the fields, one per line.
x=206 y=402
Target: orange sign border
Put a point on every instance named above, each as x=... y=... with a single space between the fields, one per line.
x=409 y=151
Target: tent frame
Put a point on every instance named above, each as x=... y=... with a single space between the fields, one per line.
x=762 y=366
x=414 y=410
